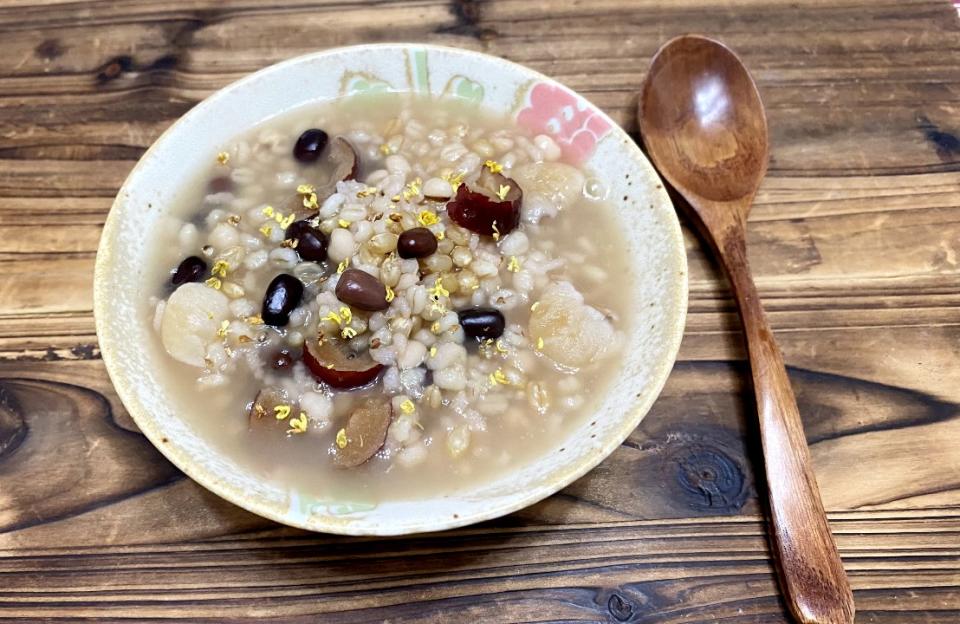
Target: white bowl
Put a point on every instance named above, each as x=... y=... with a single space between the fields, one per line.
x=586 y=134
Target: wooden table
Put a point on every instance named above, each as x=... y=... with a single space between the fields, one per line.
x=855 y=240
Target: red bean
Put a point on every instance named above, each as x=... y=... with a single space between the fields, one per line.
x=192 y=269
x=283 y=295
x=362 y=290
x=311 y=242
x=416 y=243
x=482 y=323
x=310 y=145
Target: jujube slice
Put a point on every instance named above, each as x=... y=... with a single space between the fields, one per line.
x=366 y=431
x=262 y=414
x=341 y=163
x=346 y=166
x=332 y=362
x=480 y=209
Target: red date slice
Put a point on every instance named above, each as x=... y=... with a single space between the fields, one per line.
x=345 y=166
x=262 y=414
x=341 y=163
x=365 y=433
x=332 y=362
x=491 y=206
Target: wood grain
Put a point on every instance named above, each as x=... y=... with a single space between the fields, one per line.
x=854 y=240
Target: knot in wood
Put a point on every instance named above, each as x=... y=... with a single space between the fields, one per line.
x=619 y=607
x=710 y=478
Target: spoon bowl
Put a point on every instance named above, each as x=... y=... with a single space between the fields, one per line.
x=702 y=120
x=704 y=126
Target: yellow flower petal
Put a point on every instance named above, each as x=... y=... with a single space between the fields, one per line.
x=220 y=268
x=427 y=218
x=438 y=290
x=493 y=166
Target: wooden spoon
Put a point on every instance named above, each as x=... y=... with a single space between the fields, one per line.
x=704 y=126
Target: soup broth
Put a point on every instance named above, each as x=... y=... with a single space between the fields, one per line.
x=389 y=298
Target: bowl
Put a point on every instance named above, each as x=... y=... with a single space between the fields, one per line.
x=584 y=132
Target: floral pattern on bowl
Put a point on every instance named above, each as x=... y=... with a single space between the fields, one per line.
x=575 y=125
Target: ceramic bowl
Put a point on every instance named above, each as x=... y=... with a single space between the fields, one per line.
x=586 y=135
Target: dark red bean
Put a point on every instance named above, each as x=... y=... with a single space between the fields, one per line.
x=283 y=295
x=282 y=360
x=310 y=145
x=311 y=242
x=362 y=290
x=482 y=323
x=416 y=243
x=220 y=184
x=192 y=269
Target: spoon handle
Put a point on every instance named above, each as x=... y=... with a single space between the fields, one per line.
x=812 y=576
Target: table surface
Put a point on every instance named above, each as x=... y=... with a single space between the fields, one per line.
x=854 y=239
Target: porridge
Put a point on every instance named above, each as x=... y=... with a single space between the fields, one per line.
x=383 y=297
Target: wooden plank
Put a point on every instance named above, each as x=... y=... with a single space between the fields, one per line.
x=704 y=570
x=694 y=455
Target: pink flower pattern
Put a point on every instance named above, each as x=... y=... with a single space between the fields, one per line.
x=576 y=126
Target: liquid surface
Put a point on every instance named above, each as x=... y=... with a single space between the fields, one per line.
x=520 y=397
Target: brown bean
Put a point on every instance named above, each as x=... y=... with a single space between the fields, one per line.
x=362 y=290
x=416 y=243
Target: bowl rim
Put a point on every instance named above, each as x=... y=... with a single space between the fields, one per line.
x=560 y=477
